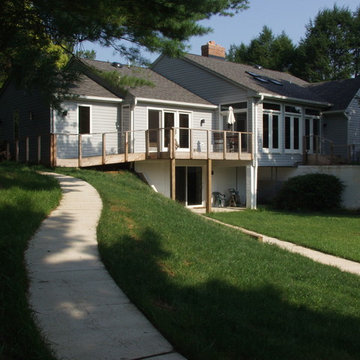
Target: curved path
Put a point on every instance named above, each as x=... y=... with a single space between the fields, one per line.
x=320 y=257
x=81 y=311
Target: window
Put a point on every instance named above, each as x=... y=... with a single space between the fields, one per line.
x=169 y=122
x=270 y=106
x=312 y=133
x=184 y=133
x=154 y=117
x=241 y=105
x=240 y=114
x=292 y=133
x=84 y=119
x=271 y=126
x=271 y=131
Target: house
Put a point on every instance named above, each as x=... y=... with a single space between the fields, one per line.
x=176 y=131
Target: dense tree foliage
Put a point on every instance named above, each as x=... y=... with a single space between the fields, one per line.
x=35 y=34
x=270 y=51
x=330 y=49
x=327 y=51
x=86 y=54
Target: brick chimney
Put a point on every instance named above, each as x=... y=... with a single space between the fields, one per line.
x=213 y=50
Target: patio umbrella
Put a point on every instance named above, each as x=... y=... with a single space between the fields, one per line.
x=231 y=118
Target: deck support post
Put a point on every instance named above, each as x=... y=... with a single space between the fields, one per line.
x=27 y=149
x=225 y=145
x=7 y=150
x=208 y=144
x=172 y=179
x=17 y=150
x=126 y=146
x=147 y=144
x=191 y=145
x=80 y=150
x=103 y=148
x=208 y=185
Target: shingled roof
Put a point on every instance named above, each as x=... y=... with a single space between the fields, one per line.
x=276 y=82
x=162 y=89
x=338 y=92
x=86 y=86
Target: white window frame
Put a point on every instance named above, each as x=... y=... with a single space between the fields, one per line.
x=90 y=119
x=292 y=117
x=311 y=132
x=176 y=113
x=271 y=113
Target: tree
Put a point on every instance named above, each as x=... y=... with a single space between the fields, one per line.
x=267 y=50
x=329 y=49
x=86 y=54
x=29 y=29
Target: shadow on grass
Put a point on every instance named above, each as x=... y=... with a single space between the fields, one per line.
x=215 y=320
x=21 y=176
x=19 y=337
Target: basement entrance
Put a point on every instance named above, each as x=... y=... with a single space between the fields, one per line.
x=189 y=185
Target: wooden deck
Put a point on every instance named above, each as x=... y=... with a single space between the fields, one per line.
x=120 y=158
x=78 y=150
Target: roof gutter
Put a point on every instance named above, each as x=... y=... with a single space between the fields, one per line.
x=330 y=112
x=180 y=103
x=100 y=98
x=301 y=101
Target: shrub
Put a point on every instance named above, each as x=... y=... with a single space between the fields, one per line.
x=310 y=192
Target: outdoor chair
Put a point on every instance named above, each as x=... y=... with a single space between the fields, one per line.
x=234 y=199
x=219 y=199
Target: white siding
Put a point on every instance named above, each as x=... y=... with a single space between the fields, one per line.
x=104 y=117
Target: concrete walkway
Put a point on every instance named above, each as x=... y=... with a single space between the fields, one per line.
x=342 y=264
x=81 y=311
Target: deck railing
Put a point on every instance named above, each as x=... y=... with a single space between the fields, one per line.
x=113 y=147
x=319 y=150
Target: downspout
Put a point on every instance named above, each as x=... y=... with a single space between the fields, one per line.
x=255 y=147
x=132 y=124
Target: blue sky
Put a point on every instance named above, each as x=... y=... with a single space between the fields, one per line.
x=288 y=15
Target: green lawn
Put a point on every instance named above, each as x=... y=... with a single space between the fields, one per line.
x=25 y=199
x=332 y=233
x=216 y=293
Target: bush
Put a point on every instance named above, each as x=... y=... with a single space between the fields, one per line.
x=310 y=192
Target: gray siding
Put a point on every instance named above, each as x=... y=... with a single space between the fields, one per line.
x=353 y=115
x=105 y=118
x=199 y=81
x=335 y=130
x=34 y=119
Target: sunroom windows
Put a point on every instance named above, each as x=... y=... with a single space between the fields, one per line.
x=271 y=126
x=292 y=132
x=284 y=125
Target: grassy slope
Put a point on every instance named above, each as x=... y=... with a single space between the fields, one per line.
x=332 y=233
x=25 y=200
x=216 y=293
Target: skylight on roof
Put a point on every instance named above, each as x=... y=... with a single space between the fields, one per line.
x=276 y=82
x=264 y=79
